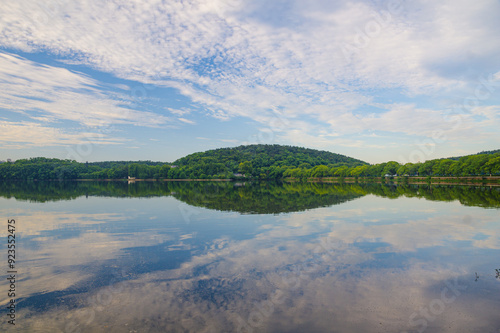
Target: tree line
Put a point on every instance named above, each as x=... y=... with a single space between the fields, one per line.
x=249 y=162
x=473 y=165
x=42 y=168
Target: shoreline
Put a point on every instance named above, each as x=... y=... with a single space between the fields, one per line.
x=415 y=180
x=150 y=180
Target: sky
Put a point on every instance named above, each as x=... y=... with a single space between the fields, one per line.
x=157 y=80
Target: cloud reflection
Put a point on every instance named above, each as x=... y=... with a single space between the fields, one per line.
x=328 y=269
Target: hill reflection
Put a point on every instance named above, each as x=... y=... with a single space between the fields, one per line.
x=249 y=198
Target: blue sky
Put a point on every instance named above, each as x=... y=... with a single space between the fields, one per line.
x=157 y=80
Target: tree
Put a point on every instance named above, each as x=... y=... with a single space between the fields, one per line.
x=360 y=171
x=163 y=173
x=320 y=171
x=132 y=170
x=425 y=168
x=492 y=167
x=342 y=171
x=391 y=168
x=403 y=170
x=245 y=168
x=442 y=167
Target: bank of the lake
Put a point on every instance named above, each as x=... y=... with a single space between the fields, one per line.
x=149 y=180
x=416 y=180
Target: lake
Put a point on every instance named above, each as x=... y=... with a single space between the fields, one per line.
x=250 y=257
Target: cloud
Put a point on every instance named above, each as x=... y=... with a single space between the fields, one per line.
x=319 y=61
x=187 y=121
x=25 y=134
x=29 y=88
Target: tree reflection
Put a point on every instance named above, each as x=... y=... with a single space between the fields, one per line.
x=250 y=197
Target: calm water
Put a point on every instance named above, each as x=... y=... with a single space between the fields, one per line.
x=225 y=257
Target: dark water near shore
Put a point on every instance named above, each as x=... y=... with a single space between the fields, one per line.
x=243 y=257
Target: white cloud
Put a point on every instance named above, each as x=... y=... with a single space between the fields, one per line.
x=236 y=59
x=58 y=93
x=187 y=121
x=29 y=134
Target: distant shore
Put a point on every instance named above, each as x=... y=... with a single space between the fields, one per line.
x=152 y=180
x=414 y=180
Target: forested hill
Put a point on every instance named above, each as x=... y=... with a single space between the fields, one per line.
x=253 y=161
x=250 y=162
x=487 y=152
x=262 y=159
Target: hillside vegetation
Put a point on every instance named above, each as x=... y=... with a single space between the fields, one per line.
x=472 y=165
x=486 y=152
x=256 y=161
x=250 y=162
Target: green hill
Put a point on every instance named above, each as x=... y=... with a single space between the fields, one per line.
x=486 y=152
x=266 y=162
x=263 y=161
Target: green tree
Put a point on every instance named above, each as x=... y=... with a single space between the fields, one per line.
x=391 y=168
x=403 y=170
x=245 y=168
x=341 y=171
x=492 y=167
x=164 y=171
x=442 y=167
x=320 y=171
x=359 y=171
x=425 y=168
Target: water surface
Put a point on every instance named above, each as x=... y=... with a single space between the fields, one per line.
x=241 y=257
